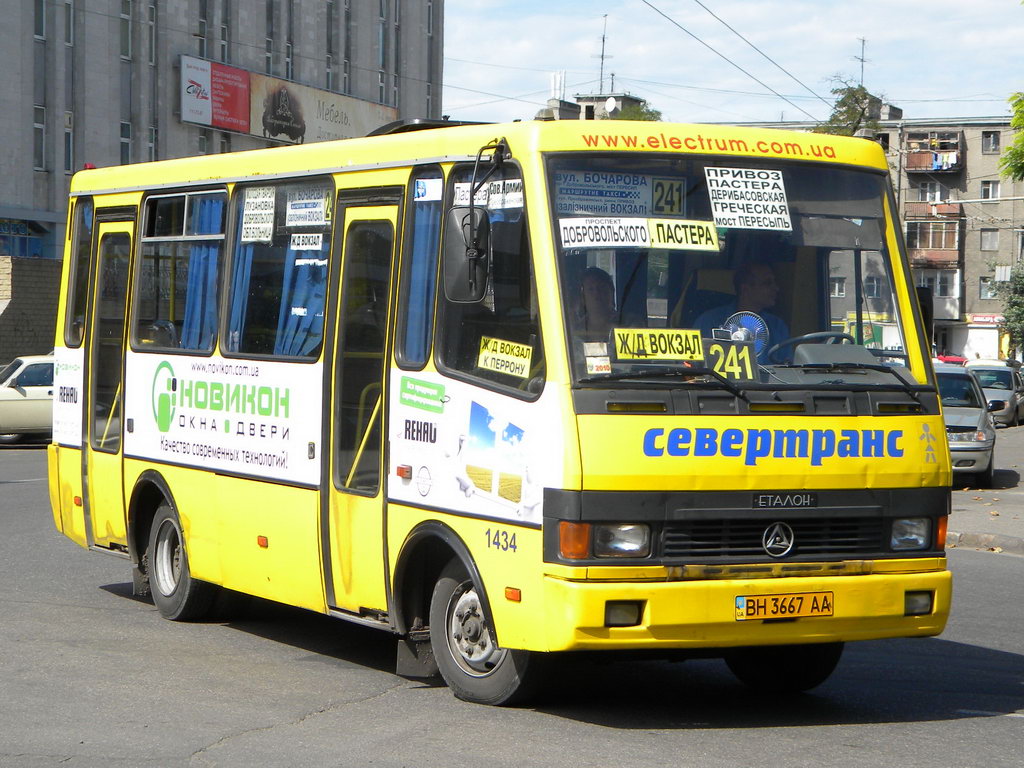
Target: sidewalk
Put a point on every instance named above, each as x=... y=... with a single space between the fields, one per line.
x=993 y=518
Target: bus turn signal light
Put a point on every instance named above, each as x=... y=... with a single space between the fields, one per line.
x=574 y=540
x=263 y=541
x=513 y=595
x=940 y=532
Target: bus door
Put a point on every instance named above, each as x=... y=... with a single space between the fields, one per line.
x=353 y=536
x=104 y=369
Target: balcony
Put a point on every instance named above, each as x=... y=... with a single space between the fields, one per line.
x=934 y=152
x=924 y=210
x=939 y=258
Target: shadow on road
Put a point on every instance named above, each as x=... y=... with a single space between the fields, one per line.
x=886 y=681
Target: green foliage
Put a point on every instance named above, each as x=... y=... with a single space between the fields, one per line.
x=852 y=110
x=639 y=112
x=1012 y=294
x=1012 y=161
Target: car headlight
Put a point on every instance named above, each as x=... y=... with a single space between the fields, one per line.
x=910 y=533
x=974 y=436
x=625 y=540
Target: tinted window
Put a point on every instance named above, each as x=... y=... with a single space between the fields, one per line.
x=36 y=375
x=419 y=267
x=958 y=391
x=78 y=286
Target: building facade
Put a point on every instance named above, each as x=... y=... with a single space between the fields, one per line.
x=105 y=82
x=963 y=221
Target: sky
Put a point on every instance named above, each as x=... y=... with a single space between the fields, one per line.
x=943 y=58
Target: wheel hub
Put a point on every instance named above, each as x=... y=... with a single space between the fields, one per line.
x=470 y=637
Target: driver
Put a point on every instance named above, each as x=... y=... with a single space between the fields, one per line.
x=756 y=291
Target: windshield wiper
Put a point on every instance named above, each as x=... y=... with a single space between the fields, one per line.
x=669 y=372
x=852 y=366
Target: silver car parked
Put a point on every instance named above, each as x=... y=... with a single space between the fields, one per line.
x=970 y=429
x=1001 y=382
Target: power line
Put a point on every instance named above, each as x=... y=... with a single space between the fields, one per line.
x=725 y=58
x=784 y=71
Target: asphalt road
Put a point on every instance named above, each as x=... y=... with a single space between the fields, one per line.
x=90 y=676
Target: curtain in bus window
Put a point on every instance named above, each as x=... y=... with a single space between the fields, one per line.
x=239 y=295
x=426 y=225
x=200 y=321
x=300 y=324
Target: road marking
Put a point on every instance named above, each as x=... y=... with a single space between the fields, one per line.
x=30 y=480
x=989 y=714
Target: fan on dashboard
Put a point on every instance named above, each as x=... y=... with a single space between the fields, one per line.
x=746 y=326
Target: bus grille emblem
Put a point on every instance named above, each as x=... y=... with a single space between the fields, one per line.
x=778 y=540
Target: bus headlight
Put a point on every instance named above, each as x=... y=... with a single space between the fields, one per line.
x=624 y=540
x=910 y=533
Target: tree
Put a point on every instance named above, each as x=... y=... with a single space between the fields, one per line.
x=639 y=112
x=854 y=109
x=1012 y=161
x=1012 y=294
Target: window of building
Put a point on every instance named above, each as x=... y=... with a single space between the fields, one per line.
x=990 y=142
x=930 y=192
x=39 y=20
x=873 y=287
x=289 y=61
x=883 y=139
x=39 y=137
x=126 y=29
x=989 y=189
x=203 y=144
x=933 y=140
x=225 y=143
x=69 y=22
x=329 y=73
x=126 y=143
x=201 y=38
x=279 y=269
x=990 y=239
x=382 y=45
x=381 y=87
x=837 y=287
x=152 y=138
x=225 y=32
x=987 y=288
x=940 y=282
x=933 y=234
x=180 y=266
x=69 y=143
x=430 y=17
x=268 y=57
x=151 y=32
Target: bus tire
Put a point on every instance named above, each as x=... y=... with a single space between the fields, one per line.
x=471 y=663
x=175 y=593
x=784 y=668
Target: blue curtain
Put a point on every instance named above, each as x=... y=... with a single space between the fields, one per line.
x=300 y=321
x=426 y=237
x=200 y=321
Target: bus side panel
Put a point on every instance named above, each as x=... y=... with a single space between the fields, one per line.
x=506 y=555
x=267 y=539
x=65 y=472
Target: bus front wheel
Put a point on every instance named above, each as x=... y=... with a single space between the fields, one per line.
x=784 y=668
x=176 y=594
x=470 y=661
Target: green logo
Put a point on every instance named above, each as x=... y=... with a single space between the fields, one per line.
x=164 y=398
x=424 y=395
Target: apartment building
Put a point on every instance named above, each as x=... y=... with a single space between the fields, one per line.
x=963 y=221
x=105 y=82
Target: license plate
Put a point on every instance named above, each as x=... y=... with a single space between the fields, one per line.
x=792 y=606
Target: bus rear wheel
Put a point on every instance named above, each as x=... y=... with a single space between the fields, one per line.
x=469 y=659
x=784 y=668
x=176 y=594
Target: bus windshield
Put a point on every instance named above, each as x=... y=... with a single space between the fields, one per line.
x=758 y=271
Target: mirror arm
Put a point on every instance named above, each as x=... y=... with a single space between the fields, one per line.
x=499 y=153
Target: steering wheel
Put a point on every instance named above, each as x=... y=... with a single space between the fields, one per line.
x=834 y=337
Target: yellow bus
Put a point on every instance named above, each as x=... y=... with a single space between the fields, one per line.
x=507 y=391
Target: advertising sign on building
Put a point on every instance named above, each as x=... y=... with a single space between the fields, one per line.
x=233 y=99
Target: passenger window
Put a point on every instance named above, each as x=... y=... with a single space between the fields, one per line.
x=497 y=339
x=279 y=269
x=419 y=267
x=79 y=280
x=179 y=268
x=37 y=375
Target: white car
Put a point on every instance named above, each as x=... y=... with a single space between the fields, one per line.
x=26 y=398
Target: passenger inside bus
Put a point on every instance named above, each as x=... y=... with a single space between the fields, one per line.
x=756 y=291
x=594 y=312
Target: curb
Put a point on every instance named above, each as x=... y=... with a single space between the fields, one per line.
x=989 y=541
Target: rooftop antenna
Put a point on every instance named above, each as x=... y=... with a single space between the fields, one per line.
x=603 y=56
x=861 y=59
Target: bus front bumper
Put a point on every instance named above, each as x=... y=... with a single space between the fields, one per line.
x=705 y=613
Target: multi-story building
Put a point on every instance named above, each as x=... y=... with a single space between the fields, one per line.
x=103 y=82
x=964 y=222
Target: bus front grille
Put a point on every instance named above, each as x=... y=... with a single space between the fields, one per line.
x=842 y=536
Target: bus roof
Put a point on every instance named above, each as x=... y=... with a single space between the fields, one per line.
x=459 y=142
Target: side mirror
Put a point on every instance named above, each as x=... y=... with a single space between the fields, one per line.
x=996 y=405
x=466 y=254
